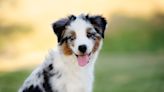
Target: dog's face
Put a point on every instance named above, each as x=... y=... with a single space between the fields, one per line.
x=80 y=36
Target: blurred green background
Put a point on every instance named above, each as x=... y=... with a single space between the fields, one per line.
x=131 y=59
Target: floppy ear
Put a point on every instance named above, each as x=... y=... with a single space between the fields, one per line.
x=99 y=23
x=59 y=27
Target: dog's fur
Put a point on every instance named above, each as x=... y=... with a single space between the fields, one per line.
x=61 y=70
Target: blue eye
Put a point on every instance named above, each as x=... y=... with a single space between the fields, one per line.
x=91 y=35
x=71 y=38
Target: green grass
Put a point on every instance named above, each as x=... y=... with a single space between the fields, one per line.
x=133 y=35
x=130 y=73
x=10 y=82
x=114 y=73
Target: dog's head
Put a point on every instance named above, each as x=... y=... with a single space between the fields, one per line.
x=80 y=35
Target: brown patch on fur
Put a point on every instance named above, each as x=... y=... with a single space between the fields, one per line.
x=66 y=49
x=96 y=45
x=88 y=29
x=73 y=34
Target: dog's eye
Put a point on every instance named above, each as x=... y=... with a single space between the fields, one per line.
x=71 y=38
x=91 y=35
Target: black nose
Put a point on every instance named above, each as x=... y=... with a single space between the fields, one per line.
x=82 y=48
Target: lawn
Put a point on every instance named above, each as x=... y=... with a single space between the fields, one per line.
x=130 y=73
x=114 y=73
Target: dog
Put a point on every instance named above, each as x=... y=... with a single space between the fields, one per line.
x=70 y=67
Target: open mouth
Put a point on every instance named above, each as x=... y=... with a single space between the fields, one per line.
x=83 y=59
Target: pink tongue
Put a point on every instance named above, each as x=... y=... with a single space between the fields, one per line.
x=83 y=60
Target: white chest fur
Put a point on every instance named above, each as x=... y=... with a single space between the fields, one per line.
x=74 y=78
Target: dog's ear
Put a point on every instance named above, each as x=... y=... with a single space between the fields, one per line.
x=99 y=23
x=60 y=25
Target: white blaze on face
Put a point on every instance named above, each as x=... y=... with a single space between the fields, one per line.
x=79 y=26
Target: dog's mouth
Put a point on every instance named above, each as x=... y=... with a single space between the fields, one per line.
x=83 y=60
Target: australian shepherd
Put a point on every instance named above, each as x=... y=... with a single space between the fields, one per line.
x=70 y=67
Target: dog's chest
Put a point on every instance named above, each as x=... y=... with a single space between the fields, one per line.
x=76 y=82
x=74 y=79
